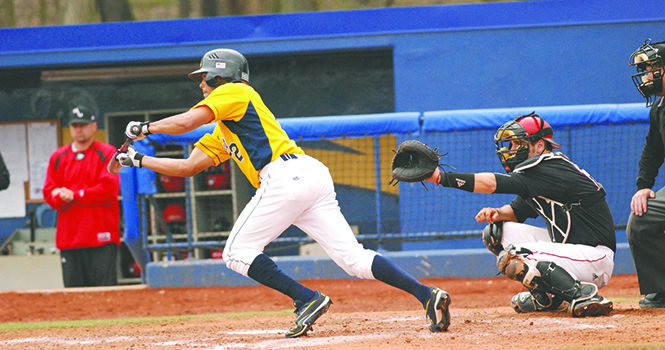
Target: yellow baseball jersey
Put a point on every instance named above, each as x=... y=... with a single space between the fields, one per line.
x=246 y=130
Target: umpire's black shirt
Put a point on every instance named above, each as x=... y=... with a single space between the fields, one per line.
x=653 y=151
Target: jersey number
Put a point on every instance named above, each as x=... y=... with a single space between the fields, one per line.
x=235 y=151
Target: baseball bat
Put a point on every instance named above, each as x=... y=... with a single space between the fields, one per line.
x=114 y=165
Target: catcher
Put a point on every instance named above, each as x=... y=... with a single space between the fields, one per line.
x=562 y=266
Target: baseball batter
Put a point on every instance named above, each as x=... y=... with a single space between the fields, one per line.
x=571 y=259
x=292 y=188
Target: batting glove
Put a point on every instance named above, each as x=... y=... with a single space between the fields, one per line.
x=137 y=130
x=130 y=158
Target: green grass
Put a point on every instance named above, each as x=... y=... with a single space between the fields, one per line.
x=17 y=326
x=644 y=346
x=622 y=300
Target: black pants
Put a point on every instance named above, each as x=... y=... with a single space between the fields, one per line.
x=87 y=267
x=646 y=237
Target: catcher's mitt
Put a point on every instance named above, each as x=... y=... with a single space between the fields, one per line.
x=414 y=161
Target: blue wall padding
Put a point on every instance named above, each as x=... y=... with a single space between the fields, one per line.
x=185 y=138
x=463 y=263
x=555 y=115
x=314 y=128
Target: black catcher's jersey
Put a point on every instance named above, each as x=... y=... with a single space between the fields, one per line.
x=570 y=201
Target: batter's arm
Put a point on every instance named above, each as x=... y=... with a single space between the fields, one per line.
x=194 y=164
x=183 y=122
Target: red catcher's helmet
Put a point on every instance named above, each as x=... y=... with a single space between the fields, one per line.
x=172 y=183
x=513 y=137
x=174 y=213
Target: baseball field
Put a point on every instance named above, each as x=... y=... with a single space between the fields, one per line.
x=365 y=315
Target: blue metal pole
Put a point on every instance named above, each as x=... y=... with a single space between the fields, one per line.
x=377 y=193
x=188 y=209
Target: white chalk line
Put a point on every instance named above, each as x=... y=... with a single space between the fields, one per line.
x=535 y=323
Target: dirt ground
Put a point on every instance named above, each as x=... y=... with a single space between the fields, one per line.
x=365 y=314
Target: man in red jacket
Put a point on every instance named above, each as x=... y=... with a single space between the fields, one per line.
x=85 y=195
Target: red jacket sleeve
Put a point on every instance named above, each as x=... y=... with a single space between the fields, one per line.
x=51 y=183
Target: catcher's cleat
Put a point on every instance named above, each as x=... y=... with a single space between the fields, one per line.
x=308 y=313
x=437 y=310
x=534 y=301
x=590 y=303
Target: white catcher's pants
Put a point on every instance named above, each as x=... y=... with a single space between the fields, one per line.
x=585 y=263
x=296 y=191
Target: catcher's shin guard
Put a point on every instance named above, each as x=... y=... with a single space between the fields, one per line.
x=492 y=236
x=550 y=278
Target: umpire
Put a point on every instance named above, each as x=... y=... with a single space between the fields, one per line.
x=646 y=224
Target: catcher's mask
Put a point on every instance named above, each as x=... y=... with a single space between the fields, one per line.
x=513 y=138
x=649 y=61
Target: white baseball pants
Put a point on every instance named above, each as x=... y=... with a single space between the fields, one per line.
x=584 y=263
x=298 y=190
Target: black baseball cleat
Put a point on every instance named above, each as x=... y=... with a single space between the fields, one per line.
x=653 y=300
x=308 y=313
x=589 y=303
x=437 y=310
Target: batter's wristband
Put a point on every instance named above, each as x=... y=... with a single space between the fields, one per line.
x=462 y=181
x=139 y=157
x=145 y=128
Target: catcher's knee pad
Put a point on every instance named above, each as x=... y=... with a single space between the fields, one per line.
x=492 y=236
x=515 y=266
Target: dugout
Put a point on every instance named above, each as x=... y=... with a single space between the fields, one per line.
x=454 y=57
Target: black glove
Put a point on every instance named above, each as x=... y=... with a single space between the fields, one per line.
x=414 y=161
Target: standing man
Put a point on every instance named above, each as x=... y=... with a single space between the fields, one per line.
x=574 y=257
x=85 y=195
x=646 y=224
x=293 y=188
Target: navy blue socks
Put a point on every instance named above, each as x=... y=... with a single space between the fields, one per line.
x=265 y=271
x=387 y=272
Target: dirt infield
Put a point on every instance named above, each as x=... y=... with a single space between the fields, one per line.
x=365 y=314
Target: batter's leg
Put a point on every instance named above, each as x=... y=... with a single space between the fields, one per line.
x=325 y=223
